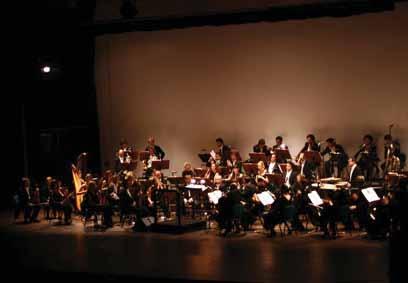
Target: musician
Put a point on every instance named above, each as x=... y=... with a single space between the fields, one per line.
x=235 y=176
x=279 y=144
x=148 y=170
x=306 y=168
x=218 y=183
x=358 y=207
x=45 y=194
x=90 y=202
x=23 y=201
x=367 y=157
x=261 y=172
x=290 y=175
x=127 y=201
x=380 y=220
x=187 y=170
x=338 y=158
x=122 y=161
x=124 y=145
x=234 y=162
x=310 y=144
x=156 y=150
x=35 y=204
x=211 y=172
x=223 y=149
x=273 y=167
x=392 y=162
x=261 y=147
x=352 y=173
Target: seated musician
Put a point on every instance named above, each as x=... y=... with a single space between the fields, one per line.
x=124 y=145
x=158 y=180
x=45 y=193
x=187 y=170
x=273 y=167
x=211 y=172
x=236 y=176
x=90 y=202
x=224 y=150
x=121 y=162
x=306 y=168
x=358 y=208
x=379 y=224
x=261 y=147
x=338 y=158
x=261 y=170
x=279 y=144
x=234 y=162
x=127 y=201
x=352 y=173
x=229 y=210
x=290 y=175
x=218 y=183
x=148 y=163
x=367 y=157
x=157 y=150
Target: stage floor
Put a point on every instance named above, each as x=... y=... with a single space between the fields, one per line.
x=200 y=255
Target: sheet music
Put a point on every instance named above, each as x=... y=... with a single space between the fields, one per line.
x=215 y=196
x=370 y=194
x=266 y=198
x=315 y=198
x=148 y=221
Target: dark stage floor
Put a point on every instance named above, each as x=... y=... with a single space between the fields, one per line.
x=201 y=255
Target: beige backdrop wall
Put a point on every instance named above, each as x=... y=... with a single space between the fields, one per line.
x=340 y=77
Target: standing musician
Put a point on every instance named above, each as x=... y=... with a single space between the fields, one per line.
x=224 y=150
x=45 y=194
x=90 y=202
x=338 y=158
x=392 y=153
x=155 y=149
x=261 y=147
x=279 y=144
x=367 y=157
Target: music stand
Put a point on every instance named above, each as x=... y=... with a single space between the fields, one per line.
x=199 y=172
x=250 y=168
x=144 y=155
x=175 y=180
x=282 y=155
x=257 y=156
x=161 y=164
x=276 y=179
x=313 y=156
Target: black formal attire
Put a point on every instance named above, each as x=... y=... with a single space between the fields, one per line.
x=339 y=159
x=158 y=151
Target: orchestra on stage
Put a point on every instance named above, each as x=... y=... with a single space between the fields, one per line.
x=322 y=186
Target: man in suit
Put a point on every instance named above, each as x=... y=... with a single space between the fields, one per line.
x=290 y=175
x=224 y=150
x=273 y=167
x=262 y=147
x=338 y=158
x=352 y=173
x=367 y=157
x=157 y=150
x=121 y=161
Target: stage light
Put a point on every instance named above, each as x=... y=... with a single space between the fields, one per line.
x=46 y=69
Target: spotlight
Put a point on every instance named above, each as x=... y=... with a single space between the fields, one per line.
x=46 y=69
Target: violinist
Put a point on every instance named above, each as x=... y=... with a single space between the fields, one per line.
x=235 y=177
x=187 y=170
x=261 y=172
x=211 y=172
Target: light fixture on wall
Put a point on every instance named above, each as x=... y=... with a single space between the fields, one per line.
x=128 y=9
